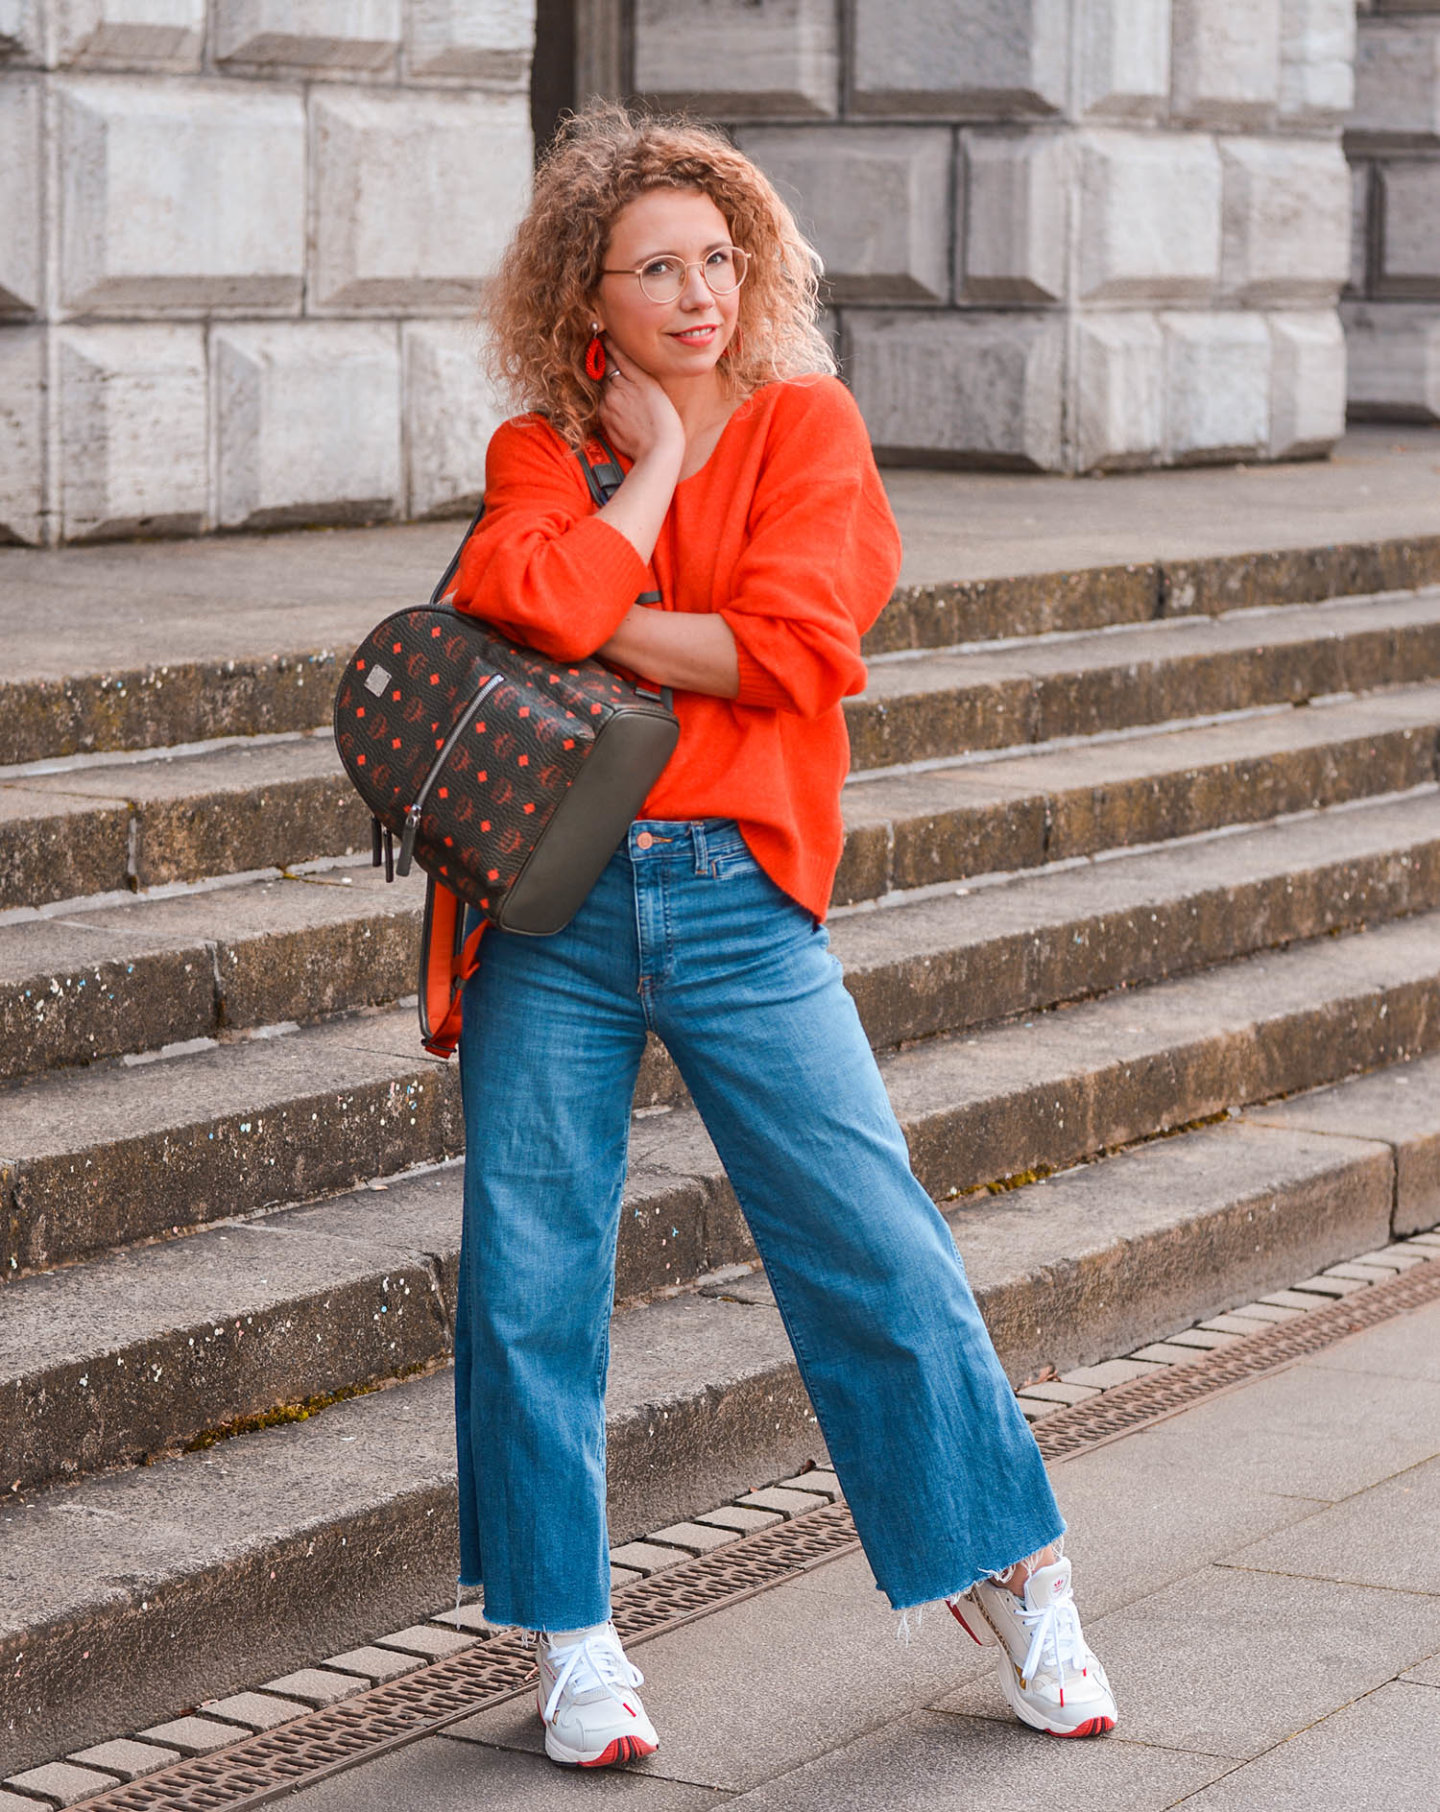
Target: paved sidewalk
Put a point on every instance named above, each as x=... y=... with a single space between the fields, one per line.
x=237 y=597
x=1260 y=1574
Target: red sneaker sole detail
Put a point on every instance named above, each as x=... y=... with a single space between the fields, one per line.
x=1091 y=1727
x=622 y=1750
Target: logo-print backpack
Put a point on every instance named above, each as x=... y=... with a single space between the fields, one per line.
x=510 y=778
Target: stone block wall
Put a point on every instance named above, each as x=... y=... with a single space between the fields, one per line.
x=242 y=243
x=1059 y=234
x=1392 y=306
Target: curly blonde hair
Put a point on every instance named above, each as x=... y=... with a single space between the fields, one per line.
x=537 y=308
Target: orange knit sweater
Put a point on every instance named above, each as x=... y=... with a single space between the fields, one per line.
x=787 y=533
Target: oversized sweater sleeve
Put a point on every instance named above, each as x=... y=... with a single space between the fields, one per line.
x=820 y=560
x=541 y=567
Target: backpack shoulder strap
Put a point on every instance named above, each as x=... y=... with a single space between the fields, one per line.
x=448 y=575
x=447 y=961
x=603 y=478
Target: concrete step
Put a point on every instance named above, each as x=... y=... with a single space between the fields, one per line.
x=103 y=1157
x=244 y=635
x=910 y=829
x=127 y=825
x=129 y=1594
x=1093 y=597
x=114 y=1154
x=84 y=984
x=236 y=809
x=927 y=707
x=151 y=972
x=119 y=1359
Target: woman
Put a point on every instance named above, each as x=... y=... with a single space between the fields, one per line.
x=659 y=291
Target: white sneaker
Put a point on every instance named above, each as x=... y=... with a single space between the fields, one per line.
x=1048 y=1671
x=588 y=1705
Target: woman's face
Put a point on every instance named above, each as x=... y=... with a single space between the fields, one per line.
x=679 y=339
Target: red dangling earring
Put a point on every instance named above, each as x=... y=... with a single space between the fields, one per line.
x=595 y=355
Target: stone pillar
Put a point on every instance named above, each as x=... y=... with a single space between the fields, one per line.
x=242 y=245
x=1392 y=307
x=1063 y=235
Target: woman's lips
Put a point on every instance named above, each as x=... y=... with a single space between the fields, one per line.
x=696 y=336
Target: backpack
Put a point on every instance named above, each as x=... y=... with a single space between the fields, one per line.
x=508 y=777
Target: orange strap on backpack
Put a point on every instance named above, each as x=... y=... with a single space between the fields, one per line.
x=447 y=961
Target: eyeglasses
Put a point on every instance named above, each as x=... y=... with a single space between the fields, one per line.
x=663 y=279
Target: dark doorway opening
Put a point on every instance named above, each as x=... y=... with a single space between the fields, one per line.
x=552 y=77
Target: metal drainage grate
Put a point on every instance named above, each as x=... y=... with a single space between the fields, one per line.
x=259 y=1769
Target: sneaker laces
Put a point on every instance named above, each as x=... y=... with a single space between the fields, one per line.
x=1055 y=1626
x=597 y=1664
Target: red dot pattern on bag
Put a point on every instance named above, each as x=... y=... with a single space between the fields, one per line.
x=394 y=743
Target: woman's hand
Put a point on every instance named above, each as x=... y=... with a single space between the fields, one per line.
x=641 y=422
x=636 y=416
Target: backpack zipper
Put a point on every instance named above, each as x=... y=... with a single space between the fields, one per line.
x=413 y=812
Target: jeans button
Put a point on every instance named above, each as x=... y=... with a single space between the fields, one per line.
x=644 y=840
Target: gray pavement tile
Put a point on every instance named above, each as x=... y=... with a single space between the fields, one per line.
x=440 y=1776
x=645 y=1557
x=1196 y=1666
x=731 y=1516
x=1280 y=1432
x=695 y=1538
x=193 y=1736
x=1267 y=1311
x=1166 y=1352
x=935 y=1763
x=316 y=1686
x=1234 y=1324
x=373 y=1664
x=1332 y=1286
x=1377 y=1755
x=1391 y=1258
x=1203 y=1339
x=1371 y=1539
x=787 y=1502
x=1110 y=1372
x=1406 y=1347
x=258 y=1710
x=125 y=1757
x=1057 y=1392
x=469 y=1617
x=1143 y=1513
x=61 y=1783
x=428 y=1640
x=751 y=1691
x=819 y=1478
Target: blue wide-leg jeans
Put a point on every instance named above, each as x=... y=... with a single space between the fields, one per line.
x=686 y=936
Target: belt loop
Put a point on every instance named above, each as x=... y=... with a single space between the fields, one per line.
x=702 y=860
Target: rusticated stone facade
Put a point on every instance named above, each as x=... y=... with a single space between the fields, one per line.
x=243 y=239
x=1060 y=234
x=241 y=250
x=1392 y=310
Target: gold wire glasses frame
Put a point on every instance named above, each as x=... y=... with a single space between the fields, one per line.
x=663 y=279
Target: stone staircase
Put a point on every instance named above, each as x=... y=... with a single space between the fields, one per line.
x=1105 y=879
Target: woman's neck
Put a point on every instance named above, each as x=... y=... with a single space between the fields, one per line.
x=700 y=401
